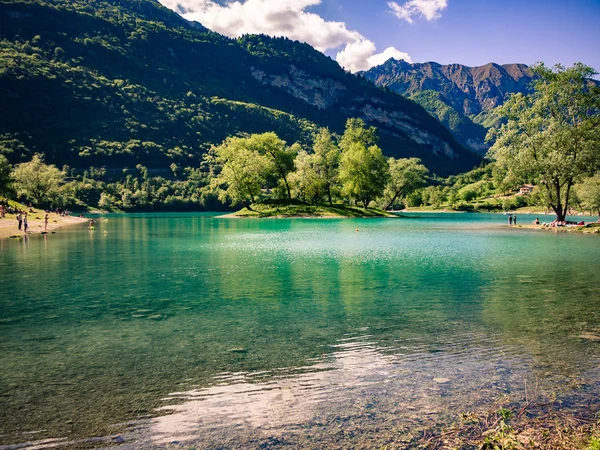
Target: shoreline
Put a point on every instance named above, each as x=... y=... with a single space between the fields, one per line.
x=9 y=230
x=235 y=216
x=302 y=211
x=588 y=228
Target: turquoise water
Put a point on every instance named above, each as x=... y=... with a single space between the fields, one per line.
x=199 y=331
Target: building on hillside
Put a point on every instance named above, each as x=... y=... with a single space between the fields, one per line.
x=526 y=189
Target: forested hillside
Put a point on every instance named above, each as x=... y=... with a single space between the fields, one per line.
x=115 y=84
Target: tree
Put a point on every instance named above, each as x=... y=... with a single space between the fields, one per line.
x=37 y=181
x=5 y=178
x=327 y=161
x=589 y=193
x=552 y=136
x=406 y=176
x=363 y=172
x=238 y=173
x=357 y=132
x=306 y=179
x=363 y=168
x=275 y=149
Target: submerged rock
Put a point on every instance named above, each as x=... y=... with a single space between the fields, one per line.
x=237 y=350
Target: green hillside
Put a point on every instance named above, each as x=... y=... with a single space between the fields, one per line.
x=114 y=84
x=464 y=129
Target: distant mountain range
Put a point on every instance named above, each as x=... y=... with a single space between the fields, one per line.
x=462 y=98
x=116 y=83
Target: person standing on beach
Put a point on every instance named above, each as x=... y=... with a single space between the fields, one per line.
x=20 y=219
x=46 y=216
x=25 y=223
x=510 y=219
x=515 y=219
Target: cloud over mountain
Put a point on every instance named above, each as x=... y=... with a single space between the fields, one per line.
x=288 y=18
x=429 y=9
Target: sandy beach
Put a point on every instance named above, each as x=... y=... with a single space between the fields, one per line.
x=8 y=224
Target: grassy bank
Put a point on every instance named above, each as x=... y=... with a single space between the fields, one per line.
x=308 y=211
x=529 y=425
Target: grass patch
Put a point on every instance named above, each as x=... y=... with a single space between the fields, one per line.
x=274 y=210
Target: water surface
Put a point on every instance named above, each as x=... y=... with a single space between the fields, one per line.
x=193 y=330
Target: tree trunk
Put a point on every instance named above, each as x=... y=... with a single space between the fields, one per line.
x=366 y=202
x=567 y=198
x=329 y=194
x=557 y=207
x=391 y=201
x=287 y=186
x=247 y=205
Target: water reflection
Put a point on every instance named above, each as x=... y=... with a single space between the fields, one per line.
x=279 y=328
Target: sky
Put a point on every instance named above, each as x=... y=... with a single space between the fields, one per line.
x=360 y=34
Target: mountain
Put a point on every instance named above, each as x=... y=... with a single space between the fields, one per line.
x=462 y=98
x=112 y=83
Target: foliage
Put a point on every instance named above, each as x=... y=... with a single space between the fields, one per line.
x=552 y=135
x=5 y=176
x=326 y=161
x=239 y=170
x=298 y=209
x=307 y=182
x=116 y=84
x=588 y=193
x=36 y=181
x=275 y=151
x=594 y=444
x=469 y=133
x=406 y=176
x=363 y=172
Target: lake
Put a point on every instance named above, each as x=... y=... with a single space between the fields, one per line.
x=198 y=331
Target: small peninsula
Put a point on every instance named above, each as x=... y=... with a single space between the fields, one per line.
x=337 y=211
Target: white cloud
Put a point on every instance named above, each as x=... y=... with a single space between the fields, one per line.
x=430 y=9
x=361 y=56
x=287 y=18
x=390 y=52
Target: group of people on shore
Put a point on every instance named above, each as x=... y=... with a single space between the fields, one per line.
x=23 y=221
x=23 y=216
x=560 y=223
x=512 y=220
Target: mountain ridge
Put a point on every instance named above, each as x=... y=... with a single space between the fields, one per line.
x=106 y=82
x=471 y=92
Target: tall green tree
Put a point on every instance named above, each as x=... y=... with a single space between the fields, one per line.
x=363 y=169
x=552 y=136
x=357 y=131
x=237 y=172
x=37 y=181
x=363 y=172
x=326 y=161
x=275 y=149
x=307 y=180
x=406 y=176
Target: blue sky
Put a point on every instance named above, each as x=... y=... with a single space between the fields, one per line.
x=360 y=34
